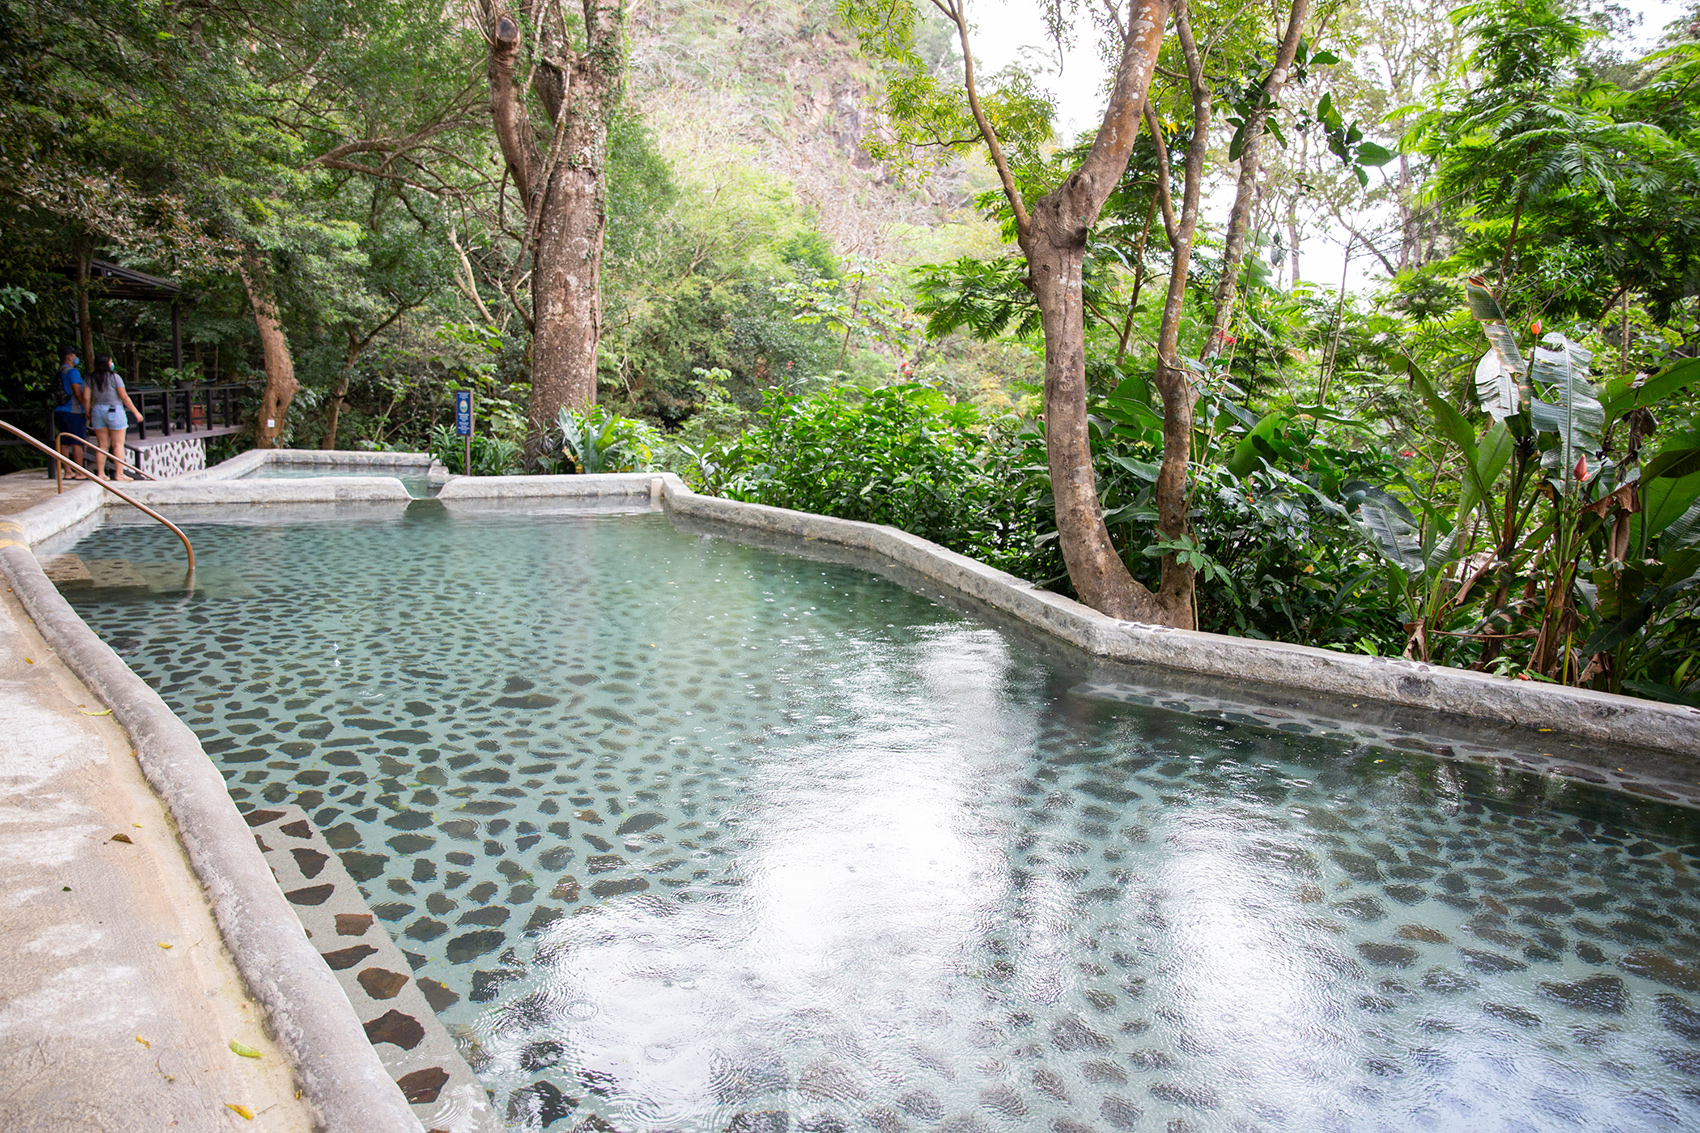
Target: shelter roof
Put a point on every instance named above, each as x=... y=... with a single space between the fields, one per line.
x=118 y=282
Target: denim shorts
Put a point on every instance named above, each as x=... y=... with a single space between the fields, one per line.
x=108 y=417
x=74 y=423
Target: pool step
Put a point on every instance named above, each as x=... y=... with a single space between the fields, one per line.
x=398 y=1009
x=72 y=572
x=67 y=570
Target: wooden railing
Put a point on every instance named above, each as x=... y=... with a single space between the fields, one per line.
x=196 y=410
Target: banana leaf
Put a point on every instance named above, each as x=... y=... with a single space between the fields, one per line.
x=1488 y=461
x=1614 y=633
x=1623 y=395
x=1499 y=333
x=1569 y=405
x=1391 y=535
x=1496 y=388
x=1683 y=530
x=1257 y=447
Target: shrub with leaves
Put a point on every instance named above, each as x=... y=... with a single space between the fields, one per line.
x=597 y=440
x=491 y=456
x=903 y=455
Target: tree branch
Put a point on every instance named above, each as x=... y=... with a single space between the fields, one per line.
x=513 y=131
x=958 y=14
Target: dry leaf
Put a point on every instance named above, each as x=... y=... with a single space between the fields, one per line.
x=246 y=1113
x=244 y=1051
x=163 y=944
x=144 y=1042
x=102 y=712
x=124 y=838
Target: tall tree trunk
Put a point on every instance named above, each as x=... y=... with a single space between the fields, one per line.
x=1172 y=493
x=281 y=386
x=333 y=412
x=1053 y=238
x=563 y=187
x=1239 y=217
x=85 y=322
x=566 y=296
x=1293 y=208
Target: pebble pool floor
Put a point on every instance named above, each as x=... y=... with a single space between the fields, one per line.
x=714 y=839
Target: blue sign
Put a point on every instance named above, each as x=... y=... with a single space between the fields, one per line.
x=463 y=412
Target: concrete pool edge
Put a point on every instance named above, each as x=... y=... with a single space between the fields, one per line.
x=340 y=1075
x=1396 y=680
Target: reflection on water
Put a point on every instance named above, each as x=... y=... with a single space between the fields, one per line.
x=712 y=839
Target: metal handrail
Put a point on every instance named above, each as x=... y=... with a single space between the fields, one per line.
x=138 y=505
x=84 y=442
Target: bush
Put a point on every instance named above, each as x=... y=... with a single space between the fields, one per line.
x=598 y=441
x=491 y=456
x=905 y=456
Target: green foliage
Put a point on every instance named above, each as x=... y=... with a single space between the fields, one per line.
x=599 y=441
x=491 y=456
x=902 y=455
x=1543 y=559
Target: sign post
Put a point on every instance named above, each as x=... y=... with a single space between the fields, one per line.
x=463 y=423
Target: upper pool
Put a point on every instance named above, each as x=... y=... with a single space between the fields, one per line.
x=713 y=838
x=417 y=484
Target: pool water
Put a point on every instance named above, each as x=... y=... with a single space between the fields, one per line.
x=711 y=838
x=419 y=487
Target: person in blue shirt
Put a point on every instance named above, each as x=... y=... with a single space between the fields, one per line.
x=70 y=415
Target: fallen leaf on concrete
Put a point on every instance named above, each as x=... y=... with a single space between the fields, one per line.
x=163 y=944
x=244 y=1051
x=102 y=712
x=144 y=1042
x=124 y=838
x=246 y=1113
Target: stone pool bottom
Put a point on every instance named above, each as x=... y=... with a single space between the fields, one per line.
x=710 y=838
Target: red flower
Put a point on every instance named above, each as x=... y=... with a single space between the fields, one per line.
x=1535 y=327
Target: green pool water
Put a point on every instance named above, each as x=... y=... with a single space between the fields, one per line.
x=711 y=838
x=417 y=486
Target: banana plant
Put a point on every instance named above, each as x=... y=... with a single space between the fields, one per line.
x=1562 y=507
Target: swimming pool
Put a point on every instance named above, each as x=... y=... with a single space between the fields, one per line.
x=417 y=483
x=710 y=837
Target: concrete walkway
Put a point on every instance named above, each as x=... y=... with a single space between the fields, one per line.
x=20 y=490
x=118 y=1001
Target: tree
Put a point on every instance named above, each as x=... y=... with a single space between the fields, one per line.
x=561 y=185
x=1053 y=236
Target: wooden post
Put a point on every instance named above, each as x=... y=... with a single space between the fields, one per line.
x=176 y=336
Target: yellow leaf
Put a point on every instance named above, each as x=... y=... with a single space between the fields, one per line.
x=163 y=944
x=125 y=838
x=102 y=712
x=144 y=1042
x=27 y=661
x=244 y=1051
x=246 y=1113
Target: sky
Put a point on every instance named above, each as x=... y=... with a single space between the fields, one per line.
x=1009 y=31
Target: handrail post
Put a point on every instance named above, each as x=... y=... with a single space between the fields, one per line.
x=137 y=504
x=118 y=460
